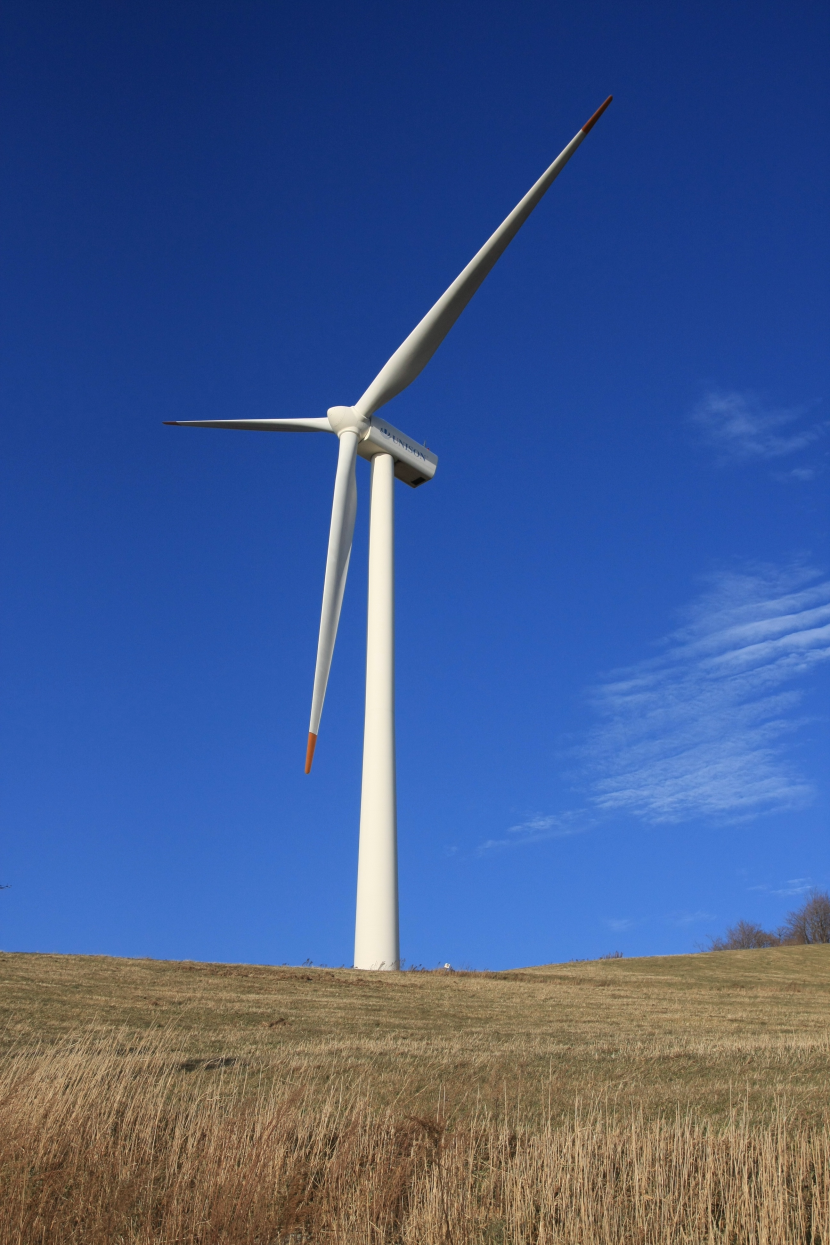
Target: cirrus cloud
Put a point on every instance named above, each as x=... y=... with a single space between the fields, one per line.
x=740 y=428
x=701 y=729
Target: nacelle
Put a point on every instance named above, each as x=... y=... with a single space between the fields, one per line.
x=414 y=463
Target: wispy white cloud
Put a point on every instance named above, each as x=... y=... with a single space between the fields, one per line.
x=701 y=729
x=538 y=828
x=739 y=427
x=793 y=886
x=682 y=919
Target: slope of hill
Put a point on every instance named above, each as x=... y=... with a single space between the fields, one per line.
x=701 y=1031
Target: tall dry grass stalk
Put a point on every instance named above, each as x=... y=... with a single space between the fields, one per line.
x=102 y=1143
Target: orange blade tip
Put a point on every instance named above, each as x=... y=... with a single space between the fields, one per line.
x=309 y=756
x=589 y=125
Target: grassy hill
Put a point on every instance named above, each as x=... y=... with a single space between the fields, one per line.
x=664 y=1101
x=701 y=1031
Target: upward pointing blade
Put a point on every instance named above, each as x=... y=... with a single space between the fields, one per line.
x=343 y=510
x=413 y=355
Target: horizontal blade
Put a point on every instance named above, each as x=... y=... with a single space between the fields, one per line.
x=256 y=425
x=343 y=510
x=414 y=354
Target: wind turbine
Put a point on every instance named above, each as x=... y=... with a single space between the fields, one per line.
x=391 y=454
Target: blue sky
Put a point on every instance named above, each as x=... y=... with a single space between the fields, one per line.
x=613 y=600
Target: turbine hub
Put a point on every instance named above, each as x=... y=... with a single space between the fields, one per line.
x=346 y=419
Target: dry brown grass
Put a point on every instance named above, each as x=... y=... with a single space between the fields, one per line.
x=677 y=1099
x=699 y=1031
x=104 y=1144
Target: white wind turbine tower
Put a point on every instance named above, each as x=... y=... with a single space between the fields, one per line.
x=391 y=454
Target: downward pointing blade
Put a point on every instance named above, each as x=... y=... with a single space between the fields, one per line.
x=343 y=510
x=413 y=355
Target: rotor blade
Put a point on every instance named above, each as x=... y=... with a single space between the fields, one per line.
x=256 y=425
x=414 y=354
x=343 y=510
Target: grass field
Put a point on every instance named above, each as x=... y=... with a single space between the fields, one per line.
x=665 y=1099
x=701 y=1031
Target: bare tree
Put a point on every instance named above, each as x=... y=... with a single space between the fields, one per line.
x=811 y=922
x=745 y=936
x=808 y=924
